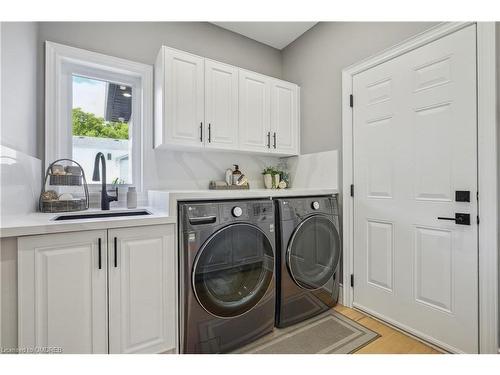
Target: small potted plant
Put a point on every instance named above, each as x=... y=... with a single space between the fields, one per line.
x=269 y=173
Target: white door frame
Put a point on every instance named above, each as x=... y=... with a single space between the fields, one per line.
x=487 y=168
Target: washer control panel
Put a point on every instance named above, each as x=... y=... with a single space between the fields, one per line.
x=315 y=205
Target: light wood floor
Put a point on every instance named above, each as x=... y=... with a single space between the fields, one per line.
x=390 y=341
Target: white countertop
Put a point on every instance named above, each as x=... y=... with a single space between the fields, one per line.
x=166 y=200
x=43 y=223
x=162 y=206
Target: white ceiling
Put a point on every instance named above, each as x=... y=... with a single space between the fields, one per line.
x=274 y=34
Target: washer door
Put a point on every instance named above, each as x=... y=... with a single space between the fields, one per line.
x=313 y=252
x=233 y=270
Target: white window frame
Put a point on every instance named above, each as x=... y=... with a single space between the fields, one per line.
x=61 y=62
x=488 y=232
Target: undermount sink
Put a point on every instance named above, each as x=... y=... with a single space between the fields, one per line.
x=102 y=214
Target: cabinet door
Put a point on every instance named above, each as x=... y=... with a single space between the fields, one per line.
x=183 y=111
x=255 y=113
x=284 y=118
x=221 y=105
x=62 y=292
x=142 y=290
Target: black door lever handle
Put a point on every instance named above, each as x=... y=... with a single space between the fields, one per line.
x=460 y=218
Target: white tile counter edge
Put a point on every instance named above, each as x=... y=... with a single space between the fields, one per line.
x=43 y=223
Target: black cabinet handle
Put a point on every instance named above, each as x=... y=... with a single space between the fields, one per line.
x=99 y=253
x=274 y=136
x=116 y=252
x=460 y=218
x=268 y=139
x=209 y=133
x=201 y=131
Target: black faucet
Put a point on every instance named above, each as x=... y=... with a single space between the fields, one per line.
x=105 y=198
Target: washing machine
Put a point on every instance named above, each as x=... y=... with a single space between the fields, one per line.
x=308 y=257
x=227 y=283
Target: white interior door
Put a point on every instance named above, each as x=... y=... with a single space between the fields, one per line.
x=255 y=111
x=415 y=145
x=221 y=105
x=142 y=289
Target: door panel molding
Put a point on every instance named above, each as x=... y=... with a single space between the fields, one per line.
x=487 y=169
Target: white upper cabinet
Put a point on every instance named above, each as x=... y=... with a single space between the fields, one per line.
x=221 y=105
x=179 y=99
x=284 y=117
x=255 y=112
x=201 y=103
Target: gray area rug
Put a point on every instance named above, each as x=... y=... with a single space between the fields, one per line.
x=328 y=333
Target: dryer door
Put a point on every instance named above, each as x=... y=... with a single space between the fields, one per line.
x=233 y=270
x=313 y=252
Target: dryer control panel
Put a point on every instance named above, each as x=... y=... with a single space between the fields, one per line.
x=304 y=206
x=224 y=212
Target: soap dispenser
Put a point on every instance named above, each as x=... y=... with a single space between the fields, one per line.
x=236 y=174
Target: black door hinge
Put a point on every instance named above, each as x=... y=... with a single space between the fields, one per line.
x=351 y=100
x=477 y=220
x=352 y=190
x=352 y=280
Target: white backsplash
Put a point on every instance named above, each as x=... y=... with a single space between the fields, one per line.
x=182 y=170
x=318 y=170
x=20 y=182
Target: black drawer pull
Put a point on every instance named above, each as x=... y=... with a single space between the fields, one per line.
x=116 y=252
x=99 y=253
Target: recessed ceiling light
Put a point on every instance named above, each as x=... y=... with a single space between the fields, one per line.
x=127 y=95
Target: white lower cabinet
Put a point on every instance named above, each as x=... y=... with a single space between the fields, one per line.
x=141 y=290
x=79 y=294
x=62 y=292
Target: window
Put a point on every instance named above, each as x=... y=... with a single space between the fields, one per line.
x=101 y=122
x=97 y=103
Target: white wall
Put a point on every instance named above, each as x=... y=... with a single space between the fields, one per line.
x=19 y=87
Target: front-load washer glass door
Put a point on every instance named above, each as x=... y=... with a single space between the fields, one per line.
x=233 y=270
x=313 y=252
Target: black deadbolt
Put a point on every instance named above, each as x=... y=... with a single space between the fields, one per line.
x=462 y=196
